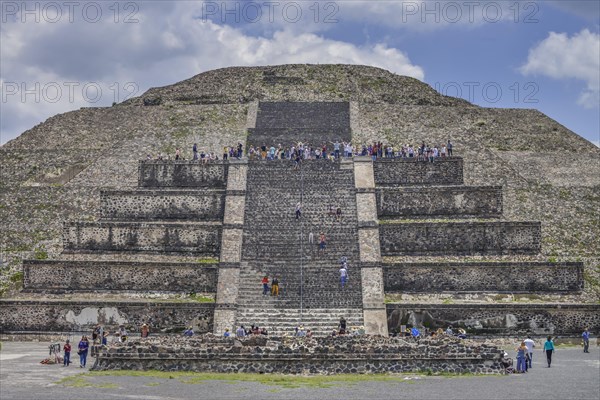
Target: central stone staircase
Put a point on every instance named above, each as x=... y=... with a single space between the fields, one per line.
x=278 y=244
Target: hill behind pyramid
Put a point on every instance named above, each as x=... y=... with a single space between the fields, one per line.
x=55 y=171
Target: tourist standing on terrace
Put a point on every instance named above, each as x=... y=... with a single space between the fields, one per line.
x=342 y=326
x=240 y=332
x=549 y=349
x=82 y=350
x=449 y=146
x=195 y=151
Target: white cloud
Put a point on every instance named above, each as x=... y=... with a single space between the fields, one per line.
x=562 y=57
x=170 y=43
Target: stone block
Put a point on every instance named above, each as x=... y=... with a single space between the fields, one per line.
x=368 y=242
x=495 y=277
x=399 y=172
x=231 y=247
x=150 y=205
x=185 y=174
x=191 y=238
x=440 y=202
x=62 y=275
x=460 y=238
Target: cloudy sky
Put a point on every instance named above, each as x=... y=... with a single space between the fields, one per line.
x=62 y=55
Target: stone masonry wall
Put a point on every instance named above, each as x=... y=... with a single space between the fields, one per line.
x=325 y=355
x=202 y=239
x=460 y=238
x=499 y=319
x=441 y=201
x=58 y=316
x=483 y=277
x=155 y=174
x=396 y=172
x=163 y=205
x=58 y=275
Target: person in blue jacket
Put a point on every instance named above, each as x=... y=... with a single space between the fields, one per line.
x=549 y=349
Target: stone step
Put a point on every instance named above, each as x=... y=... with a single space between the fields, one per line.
x=82 y=315
x=148 y=205
x=483 y=277
x=399 y=238
x=401 y=172
x=64 y=275
x=440 y=202
x=202 y=239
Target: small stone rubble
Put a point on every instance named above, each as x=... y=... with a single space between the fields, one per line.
x=291 y=355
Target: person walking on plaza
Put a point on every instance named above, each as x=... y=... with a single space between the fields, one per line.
x=549 y=349
x=586 y=340
x=530 y=345
x=82 y=350
x=67 y=357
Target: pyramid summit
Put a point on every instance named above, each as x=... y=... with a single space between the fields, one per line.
x=96 y=233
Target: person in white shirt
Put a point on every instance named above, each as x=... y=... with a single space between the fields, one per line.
x=530 y=344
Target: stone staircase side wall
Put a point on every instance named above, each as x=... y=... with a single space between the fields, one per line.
x=231 y=248
x=369 y=248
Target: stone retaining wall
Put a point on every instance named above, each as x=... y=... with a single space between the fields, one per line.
x=138 y=205
x=442 y=201
x=499 y=319
x=58 y=275
x=398 y=172
x=302 y=355
x=155 y=174
x=64 y=316
x=201 y=239
x=460 y=238
x=483 y=277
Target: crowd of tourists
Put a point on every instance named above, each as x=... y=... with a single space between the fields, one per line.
x=338 y=149
x=299 y=151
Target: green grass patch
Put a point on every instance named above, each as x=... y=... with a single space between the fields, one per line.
x=207 y=261
x=278 y=380
x=200 y=298
x=81 y=381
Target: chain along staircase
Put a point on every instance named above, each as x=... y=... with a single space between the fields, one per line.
x=278 y=244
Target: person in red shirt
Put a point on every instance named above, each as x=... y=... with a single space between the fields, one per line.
x=67 y=350
x=265 y=283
